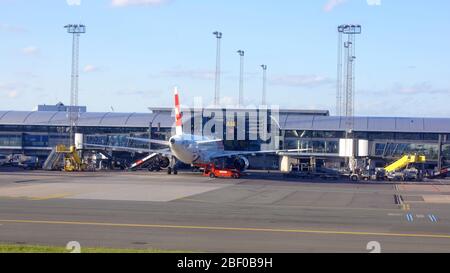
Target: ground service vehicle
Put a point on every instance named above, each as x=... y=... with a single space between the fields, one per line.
x=213 y=172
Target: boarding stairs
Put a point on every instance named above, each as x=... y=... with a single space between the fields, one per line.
x=142 y=161
x=54 y=161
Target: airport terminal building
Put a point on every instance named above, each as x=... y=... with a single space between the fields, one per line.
x=36 y=133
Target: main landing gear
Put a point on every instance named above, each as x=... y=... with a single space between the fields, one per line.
x=171 y=170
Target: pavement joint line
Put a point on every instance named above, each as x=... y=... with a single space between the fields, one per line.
x=49 y=197
x=288 y=206
x=395 y=214
x=274 y=230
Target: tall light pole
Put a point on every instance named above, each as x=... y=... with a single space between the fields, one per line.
x=264 y=90
x=346 y=72
x=217 y=81
x=345 y=93
x=339 y=73
x=241 y=79
x=75 y=30
x=349 y=80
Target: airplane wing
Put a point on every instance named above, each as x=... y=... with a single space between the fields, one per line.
x=166 y=143
x=165 y=152
x=253 y=153
x=146 y=140
x=209 y=141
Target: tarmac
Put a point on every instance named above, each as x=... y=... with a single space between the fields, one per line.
x=259 y=213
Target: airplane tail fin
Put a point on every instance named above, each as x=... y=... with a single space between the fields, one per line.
x=178 y=115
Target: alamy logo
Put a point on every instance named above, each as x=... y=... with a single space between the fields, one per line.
x=230 y=123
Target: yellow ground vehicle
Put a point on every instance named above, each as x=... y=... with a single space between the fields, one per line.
x=402 y=170
x=72 y=161
x=405 y=161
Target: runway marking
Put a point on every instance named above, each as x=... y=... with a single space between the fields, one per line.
x=305 y=231
x=432 y=218
x=410 y=217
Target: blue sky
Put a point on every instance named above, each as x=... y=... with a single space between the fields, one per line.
x=135 y=51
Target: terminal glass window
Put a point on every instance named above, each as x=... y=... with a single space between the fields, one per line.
x=313 y=134
x=431 y=137
x=55 y=140
x=379 y=149
x=396 y=150
x=380 y=136
x=35 y=140
x=316 y=146
x=327 y=134
x=409 y=136
x=446 y=152
x=360 y=135
x=430 y=151
x=10 y=140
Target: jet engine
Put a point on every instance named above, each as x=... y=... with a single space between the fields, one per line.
x=241 y=163
x=159 y=163
x=163 y=162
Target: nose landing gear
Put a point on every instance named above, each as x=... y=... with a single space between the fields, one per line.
x=173 y=167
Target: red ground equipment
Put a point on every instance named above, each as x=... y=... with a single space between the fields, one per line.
x=442 y=173
x=213 y=172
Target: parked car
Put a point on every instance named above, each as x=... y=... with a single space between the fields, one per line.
x=3 y=159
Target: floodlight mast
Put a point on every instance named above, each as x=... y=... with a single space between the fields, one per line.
x=217 y=77
x=345 y=92
x=264 y=89
x=339 y=73
x=241 y=78
x=75 y=30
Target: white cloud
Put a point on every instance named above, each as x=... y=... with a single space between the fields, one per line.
x=125 y=3
x=419 y=88
x=73 y=2
x=301 y=80
x=90 y=68
x=9 y=90
x=374 y=2
x=332 y=4
x=140 y=93
x=30 y=50
x=12 y=94
x=11 y=29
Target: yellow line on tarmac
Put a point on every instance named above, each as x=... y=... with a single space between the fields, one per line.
x=305 y=231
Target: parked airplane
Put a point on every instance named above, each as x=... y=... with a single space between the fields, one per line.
x=190 y=149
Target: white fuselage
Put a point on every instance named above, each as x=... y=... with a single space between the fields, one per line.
x=187 y=149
